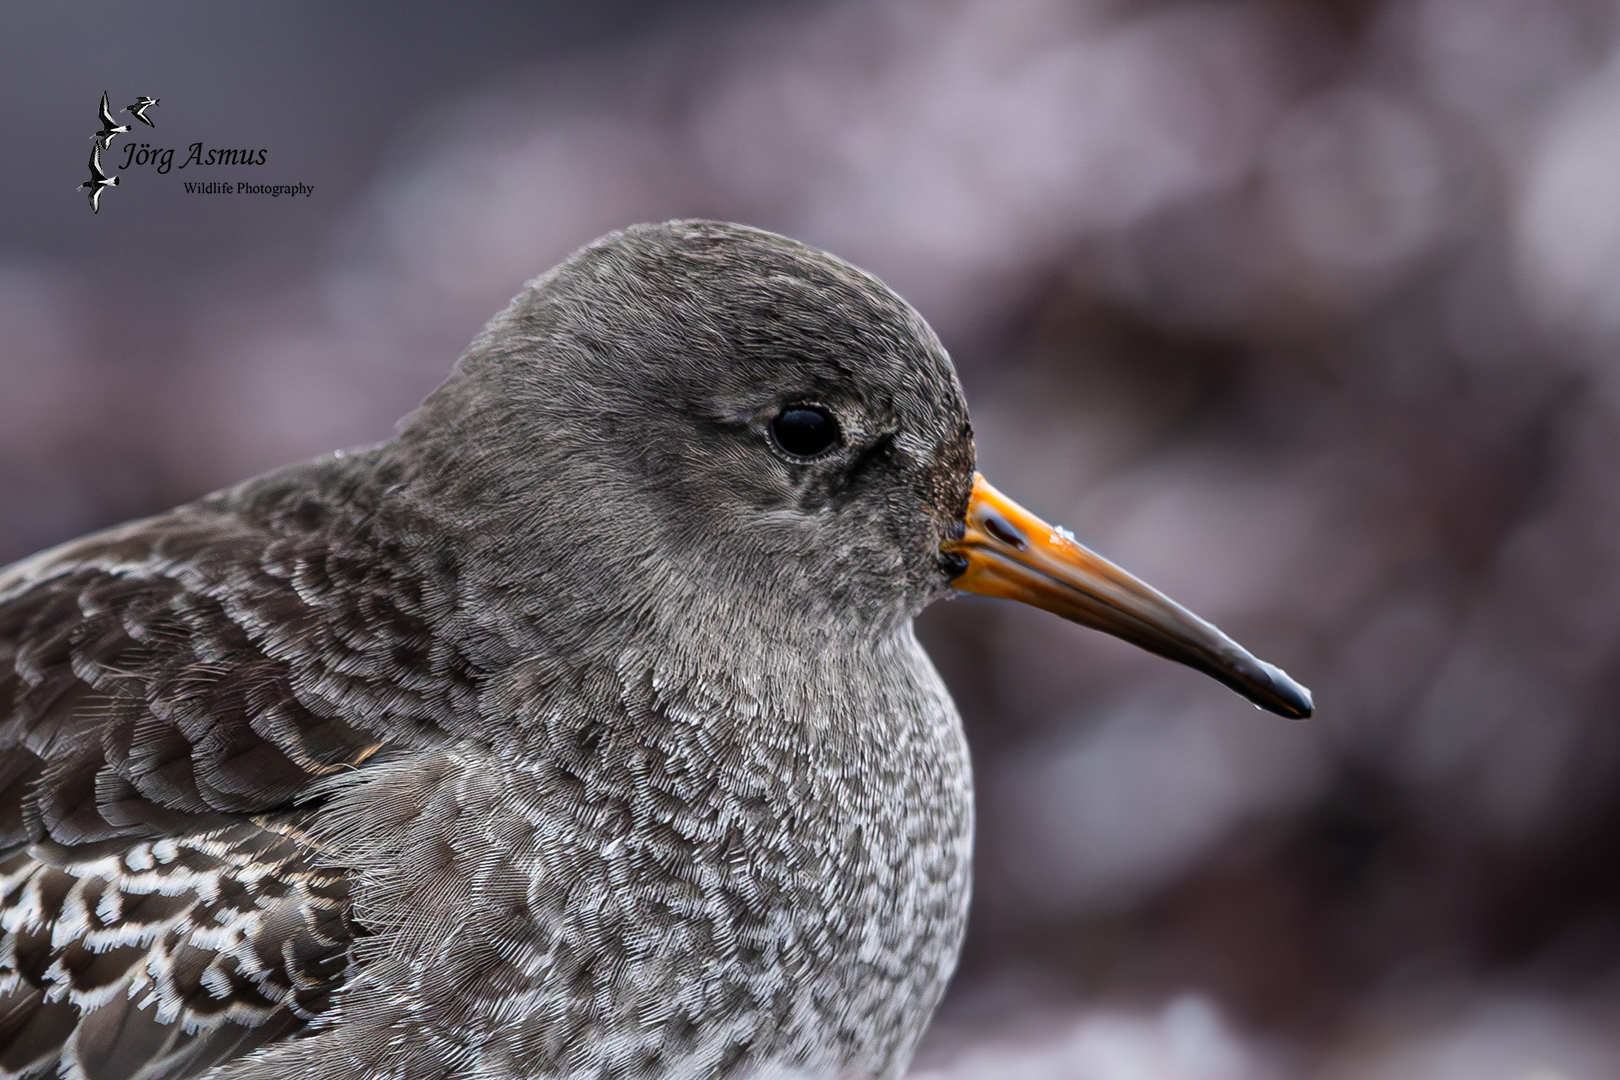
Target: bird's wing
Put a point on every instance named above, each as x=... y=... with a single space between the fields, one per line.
x=106 y=111
x=162 y=909
x=95 y=165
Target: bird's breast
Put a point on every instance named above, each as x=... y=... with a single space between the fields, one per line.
x=734 y=878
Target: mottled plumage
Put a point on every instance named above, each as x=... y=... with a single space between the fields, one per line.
x=578 y=731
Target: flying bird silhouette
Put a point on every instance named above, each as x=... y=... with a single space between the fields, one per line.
x=98 y=182
x=108 y=128
x=138 y=110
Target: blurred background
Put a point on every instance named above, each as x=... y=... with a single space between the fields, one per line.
x=1305 y=312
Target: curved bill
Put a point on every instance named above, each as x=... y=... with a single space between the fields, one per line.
x=1011 y=553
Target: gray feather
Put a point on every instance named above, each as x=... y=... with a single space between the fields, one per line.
x=577 y=732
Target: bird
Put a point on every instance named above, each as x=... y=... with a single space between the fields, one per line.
x=98 y=182
x=138 y=110
x=578 y=730
x=108 y=129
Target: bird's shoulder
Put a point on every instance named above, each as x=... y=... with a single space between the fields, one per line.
x=209 y=662
x=170 y=691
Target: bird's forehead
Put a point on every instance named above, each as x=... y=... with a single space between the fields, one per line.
x=732 y=321
x=799 y=318
x=745 y=275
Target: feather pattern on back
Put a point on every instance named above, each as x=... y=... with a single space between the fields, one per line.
x=168 y=692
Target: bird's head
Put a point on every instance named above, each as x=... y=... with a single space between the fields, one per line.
x=715 y=421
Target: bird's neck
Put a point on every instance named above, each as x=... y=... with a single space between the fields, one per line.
x=796 y=788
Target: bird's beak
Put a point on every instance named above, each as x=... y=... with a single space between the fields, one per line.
x=1009 y=552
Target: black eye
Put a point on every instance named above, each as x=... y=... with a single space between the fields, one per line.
x=804 y=430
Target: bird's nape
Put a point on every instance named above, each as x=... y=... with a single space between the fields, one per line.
x=1007 y=551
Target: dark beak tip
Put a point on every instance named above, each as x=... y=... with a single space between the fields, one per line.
x=1291 y=698
x=1267 y=686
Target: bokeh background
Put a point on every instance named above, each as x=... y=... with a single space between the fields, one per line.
x=1305 y=311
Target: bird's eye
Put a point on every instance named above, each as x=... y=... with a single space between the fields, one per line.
x=804 y=430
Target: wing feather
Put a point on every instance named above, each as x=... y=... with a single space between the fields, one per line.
x=169 y=692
